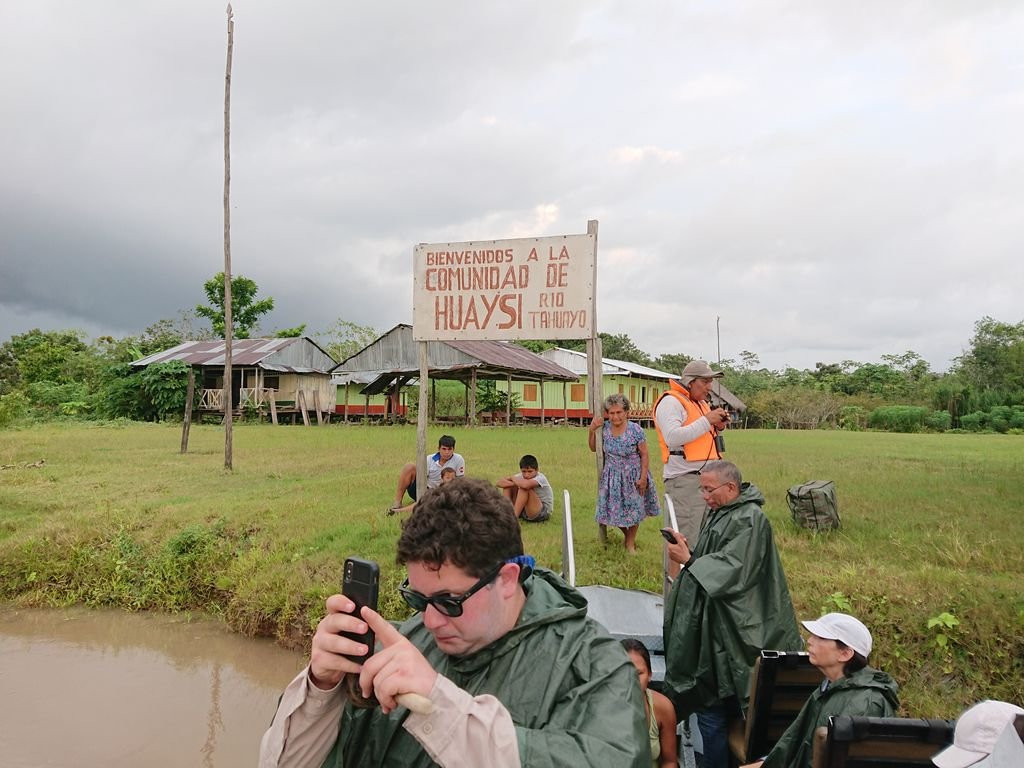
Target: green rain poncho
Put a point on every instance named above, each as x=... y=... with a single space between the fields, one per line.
x=728 y=606
x=867 y=692
x=571 y=690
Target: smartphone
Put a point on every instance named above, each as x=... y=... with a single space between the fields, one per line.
x=666 y=534
x=359 y=583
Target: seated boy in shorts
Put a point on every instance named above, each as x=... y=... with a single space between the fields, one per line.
x=529 y=491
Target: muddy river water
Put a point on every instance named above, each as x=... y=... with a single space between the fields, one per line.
x=94 y=689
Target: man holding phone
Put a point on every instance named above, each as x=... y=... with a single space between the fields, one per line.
x=515 y=672
x=729 y=602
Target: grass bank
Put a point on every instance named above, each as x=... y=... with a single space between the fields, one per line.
x=115 y=516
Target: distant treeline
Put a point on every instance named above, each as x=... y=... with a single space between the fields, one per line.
x=59 y=374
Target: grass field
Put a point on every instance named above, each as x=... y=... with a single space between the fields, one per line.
x=932 y=525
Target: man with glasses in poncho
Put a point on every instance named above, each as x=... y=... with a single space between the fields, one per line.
x=515 y=672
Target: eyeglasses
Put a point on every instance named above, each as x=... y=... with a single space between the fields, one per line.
x=709 y=491
x=449 y=605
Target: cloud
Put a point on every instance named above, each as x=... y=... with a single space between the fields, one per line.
x=829 y=185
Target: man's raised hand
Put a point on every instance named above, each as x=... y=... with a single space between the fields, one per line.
x=398 y=674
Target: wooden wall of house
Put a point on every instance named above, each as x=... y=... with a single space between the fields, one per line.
x=289 y=385
x=357 y=405
x=642 y=394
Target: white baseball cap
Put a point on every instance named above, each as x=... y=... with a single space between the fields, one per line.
x=844 y=628
x=976 y=733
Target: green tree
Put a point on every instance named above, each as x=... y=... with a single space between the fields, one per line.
x=61 y=357
x=290 y=333
x=246 y=310
x=619 y=346
x=995 y=360
x=344 y=338
x=673 y=362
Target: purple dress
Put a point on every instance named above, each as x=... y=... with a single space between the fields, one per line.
x=619 y=503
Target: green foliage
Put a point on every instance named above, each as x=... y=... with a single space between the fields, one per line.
x=672 y=363
x=619 y=346
x=51 y=399
x=938 y=421
x=343 y=339
x=899 y=418
x=245 y=309
x=853 y=418
x=944 y=628
x=995 y=360
x=489 y=399
x=122 y=395
x=795 y=407
x=166 y=385
x=290 y=333
x=156 y=392
x=13 y=406
x=836 y=602
x=999 y=418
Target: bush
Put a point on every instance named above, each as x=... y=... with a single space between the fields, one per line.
x=938 y=421
x=974 y=422
x=51 y=398
x=853 y=418
x=899 y=418
x=13 y=406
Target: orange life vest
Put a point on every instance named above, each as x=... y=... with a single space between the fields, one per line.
x=701 y=449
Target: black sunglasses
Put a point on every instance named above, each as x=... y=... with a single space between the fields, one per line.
x=449 y=605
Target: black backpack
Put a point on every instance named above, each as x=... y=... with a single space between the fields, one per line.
x=814 y=505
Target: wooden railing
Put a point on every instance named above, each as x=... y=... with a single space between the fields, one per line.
x=213 y=399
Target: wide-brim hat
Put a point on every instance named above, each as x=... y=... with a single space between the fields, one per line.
x=698 y=369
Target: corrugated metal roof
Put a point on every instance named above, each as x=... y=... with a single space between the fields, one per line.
x=504 y=354
x=611 y=367
x=397 y=352
x=641 y=370
x=245 y=352
x=576 y=361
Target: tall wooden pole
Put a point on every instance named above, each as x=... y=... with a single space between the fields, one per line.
x=228 y=320
x=595 y=363
x=186 y=423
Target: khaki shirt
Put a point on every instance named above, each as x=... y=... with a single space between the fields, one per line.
x=462 y=730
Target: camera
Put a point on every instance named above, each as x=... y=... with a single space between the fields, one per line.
x=719 y=443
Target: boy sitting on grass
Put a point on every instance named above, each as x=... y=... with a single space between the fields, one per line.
x=529 y=491
x=447 y=475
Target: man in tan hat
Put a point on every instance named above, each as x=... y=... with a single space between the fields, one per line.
x=687 y=427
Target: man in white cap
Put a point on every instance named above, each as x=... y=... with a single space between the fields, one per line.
x=838 y=645
x=985 y=737
x=687 y=427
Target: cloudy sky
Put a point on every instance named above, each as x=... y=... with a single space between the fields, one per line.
x=834 y=180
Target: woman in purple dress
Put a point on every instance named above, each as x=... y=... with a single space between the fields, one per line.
x=626 y=494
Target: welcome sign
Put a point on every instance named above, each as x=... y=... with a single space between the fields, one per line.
x=525 y=288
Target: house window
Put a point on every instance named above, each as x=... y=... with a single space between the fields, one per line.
x=578 y=393
x=632 y=394
x=271 y=382
x=654 y=394
x=622 y=388
x=643 y=394
x=529 y=393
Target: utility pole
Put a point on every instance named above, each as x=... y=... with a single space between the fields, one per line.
x=718 y=337
x=228 y=320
